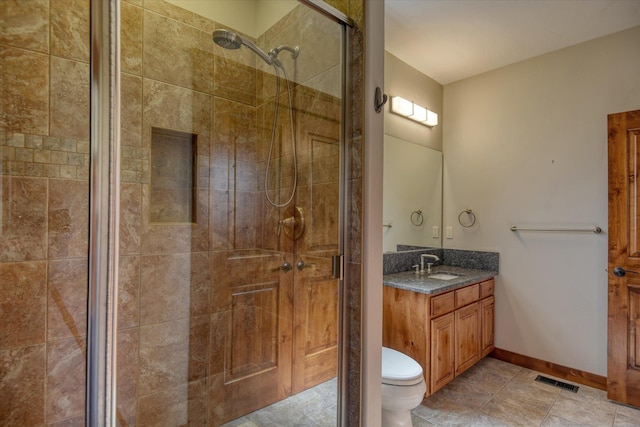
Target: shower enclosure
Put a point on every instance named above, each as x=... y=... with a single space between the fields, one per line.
x=229 y=211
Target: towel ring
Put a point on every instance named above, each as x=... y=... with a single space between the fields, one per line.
x=416 y=217
x=471 y=214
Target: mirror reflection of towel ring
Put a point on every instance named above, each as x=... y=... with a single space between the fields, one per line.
x=416 y=217
x=471 y=216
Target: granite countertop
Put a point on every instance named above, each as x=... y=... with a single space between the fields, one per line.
x=424 y=284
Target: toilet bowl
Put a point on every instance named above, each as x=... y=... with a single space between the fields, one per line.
x=403 y=388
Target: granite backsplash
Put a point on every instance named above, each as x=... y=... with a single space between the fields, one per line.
x=396 y=262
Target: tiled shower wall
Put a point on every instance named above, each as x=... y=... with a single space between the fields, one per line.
x=44 y=149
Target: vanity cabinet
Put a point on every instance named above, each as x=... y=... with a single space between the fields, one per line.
x=446 y=333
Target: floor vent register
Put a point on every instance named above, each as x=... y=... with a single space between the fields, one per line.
x=556 y=383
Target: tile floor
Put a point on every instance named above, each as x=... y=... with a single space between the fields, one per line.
x=491 y=393
x=495 y=393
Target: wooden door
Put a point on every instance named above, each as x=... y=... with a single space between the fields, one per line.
x=315 y=350
x=623 y=352
x=251 y=336
x=487 y=310
x=442 y=351
x=467 y=337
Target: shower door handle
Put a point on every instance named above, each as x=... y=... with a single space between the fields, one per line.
x=286 y=267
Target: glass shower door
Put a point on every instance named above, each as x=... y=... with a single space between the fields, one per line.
x=226 y=303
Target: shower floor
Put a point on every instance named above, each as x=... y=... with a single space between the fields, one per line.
x=315 y=407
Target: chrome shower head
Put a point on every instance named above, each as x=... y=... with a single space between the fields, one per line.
x=227 y=39
x=230 y=40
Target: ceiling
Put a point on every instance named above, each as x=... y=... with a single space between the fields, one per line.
x=450 y=40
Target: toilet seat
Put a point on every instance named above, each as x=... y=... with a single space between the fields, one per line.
x=399 y=369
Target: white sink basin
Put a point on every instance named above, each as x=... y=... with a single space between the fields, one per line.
x=443 y=276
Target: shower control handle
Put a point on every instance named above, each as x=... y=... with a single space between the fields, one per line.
x=301 y=265
x=286 y=267
x=621 y=272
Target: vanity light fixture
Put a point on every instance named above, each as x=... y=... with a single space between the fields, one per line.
x=413 y=111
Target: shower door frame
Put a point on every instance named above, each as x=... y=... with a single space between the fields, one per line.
x=104 y=205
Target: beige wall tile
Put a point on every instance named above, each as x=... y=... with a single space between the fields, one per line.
x=235 y=127
x=66 y=379
x=165 y=359
x=23 y=302
x=131 y=110
x=128 y=291
x=67 y=299
x=177 y=53
x=24 y=100
x=179 y=14
x=234 y=80
x=70 y=29
x=182 y=405
x=174 y=287
x=127 y=376
x=170 y=107
x=69 y=98
x=68 y=218
x=25 y=24
x=24 y=223
x=130 y=220
x=220 y=217
x=131 y=40
x=22 y=374
x=69 y=422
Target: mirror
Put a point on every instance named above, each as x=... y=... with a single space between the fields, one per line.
x=412 y=195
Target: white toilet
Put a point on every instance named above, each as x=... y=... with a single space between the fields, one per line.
x=403 y=387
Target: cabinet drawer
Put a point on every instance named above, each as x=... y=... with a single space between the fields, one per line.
x=486 y=288
x=442 y=304
x=467 y=295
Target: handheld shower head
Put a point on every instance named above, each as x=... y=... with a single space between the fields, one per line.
x=227 y=39
x=230 y=40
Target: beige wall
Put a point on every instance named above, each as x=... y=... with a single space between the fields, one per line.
x=527 y=145
x=400 y=79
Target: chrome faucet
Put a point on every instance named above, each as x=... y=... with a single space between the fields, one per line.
x=422 y=257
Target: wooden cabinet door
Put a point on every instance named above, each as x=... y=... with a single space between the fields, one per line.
x=442 y=351
x=467 y=337
x=487 y=309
